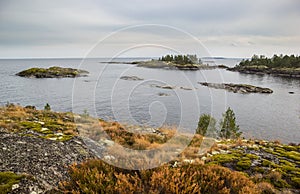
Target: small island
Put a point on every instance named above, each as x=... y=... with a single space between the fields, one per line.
x=283 y=66
x=177 y=62
x=52 y=72
x=238 y=88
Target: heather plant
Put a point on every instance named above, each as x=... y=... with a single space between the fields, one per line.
x=95 y=176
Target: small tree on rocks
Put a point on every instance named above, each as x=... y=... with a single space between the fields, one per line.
x=229 y=128
x=206 y=125
x=47 y=107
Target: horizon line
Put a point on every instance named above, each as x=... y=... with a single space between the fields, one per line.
x=215 y=57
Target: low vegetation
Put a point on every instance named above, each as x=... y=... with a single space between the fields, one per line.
x=262 y=161
x=95 y=176
x=228 y=165
x=28 y=121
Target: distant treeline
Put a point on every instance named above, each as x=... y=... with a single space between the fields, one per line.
x=274 y=62
x=181 y=59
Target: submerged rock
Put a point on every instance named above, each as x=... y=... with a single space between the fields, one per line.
x=131 y=78
x=185 y=88
x=163 y=94
x=168 y=87
x=238 y=88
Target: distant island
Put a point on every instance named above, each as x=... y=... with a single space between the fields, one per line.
x=52 y=72
x=282 y=65
x=238 y=88
x=179 y=62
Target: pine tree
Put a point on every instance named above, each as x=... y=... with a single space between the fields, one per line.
x=229 y=128
x=206 y=125
x=47 y=107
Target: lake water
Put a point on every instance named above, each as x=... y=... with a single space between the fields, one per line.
x=103 y=94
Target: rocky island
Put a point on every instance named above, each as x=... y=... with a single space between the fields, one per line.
x=283 y=66
x=52 y=72
x=177 y=62
x=238 y=88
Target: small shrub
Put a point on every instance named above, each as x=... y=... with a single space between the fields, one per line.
x=47 y=107
x=266 y=188
x=95 y=176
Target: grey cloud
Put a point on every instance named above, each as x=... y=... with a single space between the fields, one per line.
x=42 y=22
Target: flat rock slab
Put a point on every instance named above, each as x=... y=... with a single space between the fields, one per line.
x=45 y=160
x=238 y=88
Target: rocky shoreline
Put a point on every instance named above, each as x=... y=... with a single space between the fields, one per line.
x=238 y=88
x=263 y=70
x=52 y=72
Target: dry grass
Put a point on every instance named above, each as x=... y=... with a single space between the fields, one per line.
x=15 y=118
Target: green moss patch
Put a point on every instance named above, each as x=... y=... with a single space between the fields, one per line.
x=243 y=164
x=7 y=180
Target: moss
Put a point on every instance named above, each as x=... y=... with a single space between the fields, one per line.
x=287 y=163
x=57 y=137
x=267 y=163
x=224 y=158
x=270 y=151
x=294 y=155
x=290 y=148
x=252 y=156
x=280 y=183
x=243 y=164
x=259 y=169
x=296 y=182
x=290 y=169
x=31 y=125
x=7 y=180
x=53 y=125
x=65 y=138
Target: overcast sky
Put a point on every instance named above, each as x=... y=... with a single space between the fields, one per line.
x=72 y=28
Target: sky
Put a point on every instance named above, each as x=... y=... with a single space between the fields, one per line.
x=140 y=28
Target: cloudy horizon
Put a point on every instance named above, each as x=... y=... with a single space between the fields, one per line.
x=226 y=28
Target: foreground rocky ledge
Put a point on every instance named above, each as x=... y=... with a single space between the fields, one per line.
x=238 y=88
x=41 y=144
x=52 y=72
x=44 y=162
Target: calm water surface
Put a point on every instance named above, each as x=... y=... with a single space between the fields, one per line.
x=103 y=94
